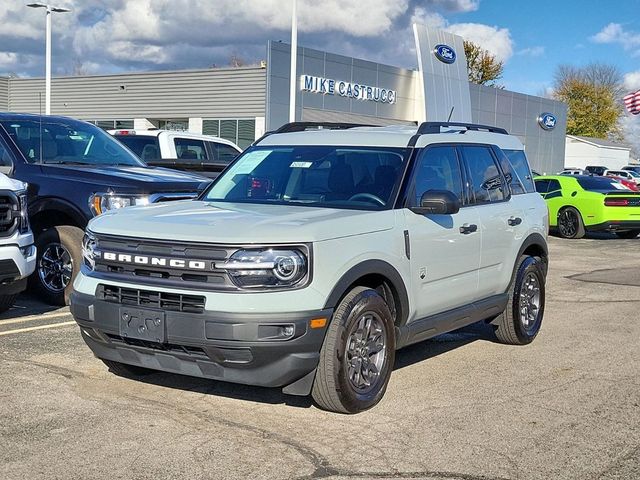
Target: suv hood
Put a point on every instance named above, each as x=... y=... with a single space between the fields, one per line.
x=235 y=223
x=129 y=179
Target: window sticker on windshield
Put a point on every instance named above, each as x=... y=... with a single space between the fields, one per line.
x=300 y=164
x=251 y=160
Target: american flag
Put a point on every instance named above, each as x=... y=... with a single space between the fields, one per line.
x=632 y=102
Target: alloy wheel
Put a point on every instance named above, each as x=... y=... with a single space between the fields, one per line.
x=55 y=267
x=365 y=353
x=568 y=223
x=530 y=301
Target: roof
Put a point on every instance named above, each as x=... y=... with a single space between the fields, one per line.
x=600 y=142
x=395 y=136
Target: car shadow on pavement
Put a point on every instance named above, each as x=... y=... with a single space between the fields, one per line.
x=407 y=356
x=28 y=305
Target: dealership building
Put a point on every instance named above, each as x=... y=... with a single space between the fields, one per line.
x=240 y=104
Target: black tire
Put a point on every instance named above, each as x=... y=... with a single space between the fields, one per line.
x=333 y=387
x=512 y=327
x=570 y=224
x=6 y=301
x=628 y=234
x=69 y=239
x=124 y=370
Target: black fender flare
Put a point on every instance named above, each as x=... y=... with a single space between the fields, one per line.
x=537 y=240
x=61 y=205
x=369 y=267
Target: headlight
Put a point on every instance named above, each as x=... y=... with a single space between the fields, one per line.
x=102 y=202
x=89 y=244
x=24 y=214
x=267 y=268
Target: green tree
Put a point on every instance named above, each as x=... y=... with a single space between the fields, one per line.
x=592 y=94
x=483 y=67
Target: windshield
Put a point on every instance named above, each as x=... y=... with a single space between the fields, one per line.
x=328 y=176
x=67 y=142
x=600 y=184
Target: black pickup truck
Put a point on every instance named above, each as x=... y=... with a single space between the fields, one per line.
x=75 y=171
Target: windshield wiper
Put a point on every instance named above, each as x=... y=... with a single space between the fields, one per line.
x=67 y=162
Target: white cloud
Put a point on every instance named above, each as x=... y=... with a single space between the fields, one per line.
x=616 y=33
x=631 y=81
x=494 y=39
x=537 y=51
x=630 y=125
x=121 y=35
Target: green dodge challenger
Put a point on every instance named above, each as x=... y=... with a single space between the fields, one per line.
x=580 y=203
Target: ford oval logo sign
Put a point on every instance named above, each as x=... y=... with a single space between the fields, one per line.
x=445 y=53
x=547 y=121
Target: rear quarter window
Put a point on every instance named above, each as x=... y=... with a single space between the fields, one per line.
x=520 y=169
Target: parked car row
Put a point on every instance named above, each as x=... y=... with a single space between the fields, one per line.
x=75 y=171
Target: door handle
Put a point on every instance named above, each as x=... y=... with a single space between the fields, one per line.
x=466 y=229
x=513 y=221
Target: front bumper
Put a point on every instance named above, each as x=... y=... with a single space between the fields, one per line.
x=614 y=226
x=231 y=347
x=17 y=262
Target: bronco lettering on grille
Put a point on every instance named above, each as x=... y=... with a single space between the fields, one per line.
x=153 y=261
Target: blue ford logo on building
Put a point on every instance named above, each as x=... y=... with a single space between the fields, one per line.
x=445 y=53
x=547 y=121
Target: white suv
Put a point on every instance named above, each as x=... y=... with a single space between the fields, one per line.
x=17 y=252
x=204 y=154
x=316 y=255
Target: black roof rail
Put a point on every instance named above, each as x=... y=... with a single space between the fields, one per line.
x=302 y=126
x=434 y=127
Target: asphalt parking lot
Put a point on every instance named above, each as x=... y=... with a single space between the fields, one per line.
x=458 y=407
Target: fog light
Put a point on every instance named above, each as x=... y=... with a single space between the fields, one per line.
x=28 y=251
x=287 y=331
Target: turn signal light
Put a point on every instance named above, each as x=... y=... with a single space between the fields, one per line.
x=318 y=323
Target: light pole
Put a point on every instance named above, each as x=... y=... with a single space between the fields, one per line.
x=47 y=85
x=294 y=57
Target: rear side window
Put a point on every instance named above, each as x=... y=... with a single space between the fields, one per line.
x=520 y=169
x=145 y=147
x=542 y=186
x=486 y=180
x=224 y=153
x=190 y=149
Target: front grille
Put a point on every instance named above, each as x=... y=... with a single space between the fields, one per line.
x=174 y=302
x=208 y=278
x=9 y=213
x=8 y=270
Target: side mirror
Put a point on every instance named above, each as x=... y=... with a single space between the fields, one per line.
x=437 y=202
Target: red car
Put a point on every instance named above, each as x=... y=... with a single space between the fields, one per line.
x=626 y=182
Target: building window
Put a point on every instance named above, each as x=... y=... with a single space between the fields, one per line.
x=113 y=124
x=242 y=132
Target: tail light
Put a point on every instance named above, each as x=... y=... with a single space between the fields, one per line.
x=616 y=202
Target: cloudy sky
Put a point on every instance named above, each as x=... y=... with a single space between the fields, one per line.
x=532 y=37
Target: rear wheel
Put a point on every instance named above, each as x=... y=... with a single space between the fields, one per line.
x=521 y=321
x=628 y=234
x=124 y=370
x=570 y=224
x=58 y=263
x=357 y=355
x=6 y=301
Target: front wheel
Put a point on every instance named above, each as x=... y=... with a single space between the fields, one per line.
x=58 y=263
x=521 y=321
x=357 y=355
x=628 y=234
x=570 y=224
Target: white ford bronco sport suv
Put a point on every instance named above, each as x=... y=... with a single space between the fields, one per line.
x=316 y=255
x=17 y=252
